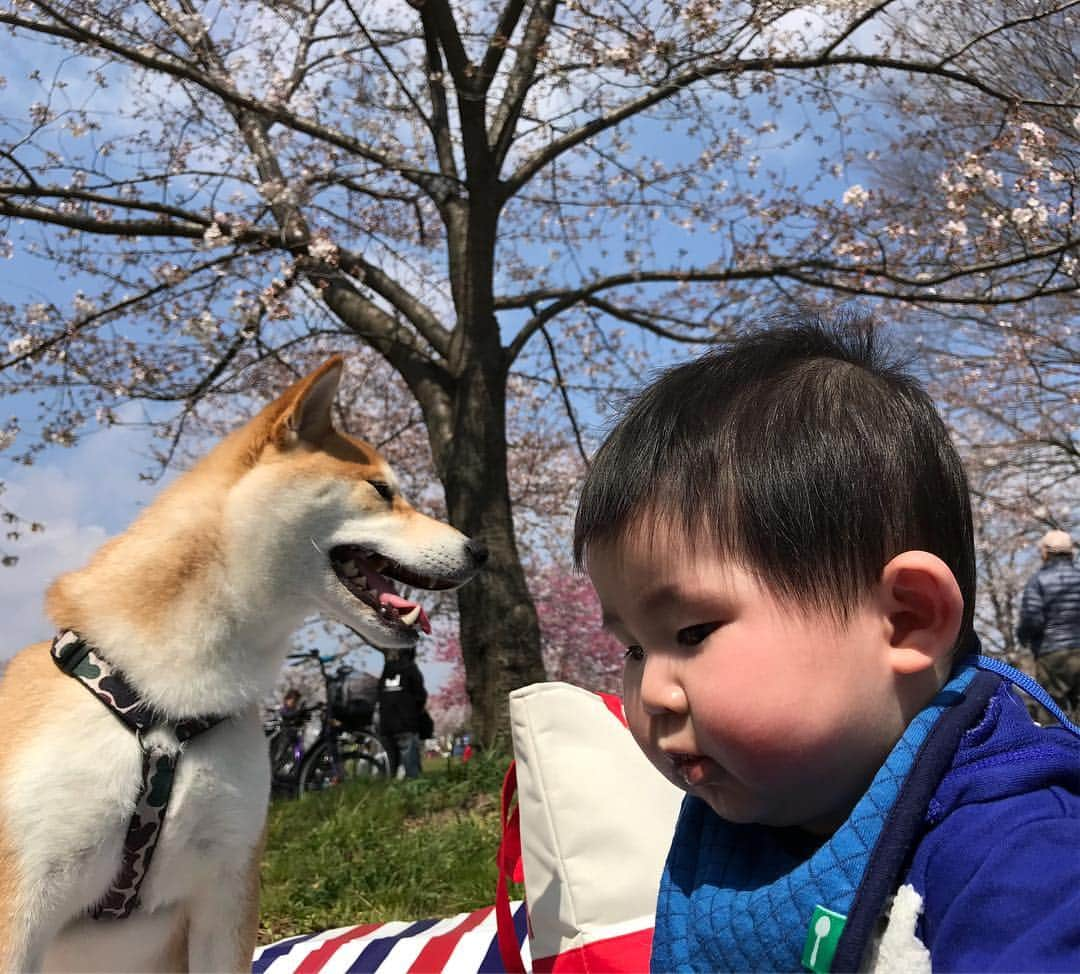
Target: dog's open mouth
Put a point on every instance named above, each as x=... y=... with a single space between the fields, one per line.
x=370 y=577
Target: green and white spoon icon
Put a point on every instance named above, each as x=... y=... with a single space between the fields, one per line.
x=821 y=931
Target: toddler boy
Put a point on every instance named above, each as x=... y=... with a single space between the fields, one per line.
x=780 y=533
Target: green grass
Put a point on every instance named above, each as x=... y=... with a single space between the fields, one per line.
x=370 y=852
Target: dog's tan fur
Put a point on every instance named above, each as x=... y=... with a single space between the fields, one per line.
x=194 y=603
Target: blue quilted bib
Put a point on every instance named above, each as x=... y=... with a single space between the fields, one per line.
x=733 y=898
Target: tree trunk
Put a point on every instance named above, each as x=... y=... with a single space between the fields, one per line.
x=500 y=633
x=500 y=638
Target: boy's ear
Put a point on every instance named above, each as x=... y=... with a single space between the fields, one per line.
x=307 y=415
x=924 y=608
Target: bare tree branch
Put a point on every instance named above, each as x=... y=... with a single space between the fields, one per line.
x=568 y=406
x=175 y=68
x=522 y=75
x=743 y=66
x=382 y=284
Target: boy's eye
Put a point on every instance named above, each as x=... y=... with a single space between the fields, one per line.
x=692 y=635
x=635 y=653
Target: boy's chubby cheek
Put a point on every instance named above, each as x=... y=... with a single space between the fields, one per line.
x=644 y=733
x=664 y=764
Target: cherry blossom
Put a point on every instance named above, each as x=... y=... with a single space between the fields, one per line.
x=508 y=213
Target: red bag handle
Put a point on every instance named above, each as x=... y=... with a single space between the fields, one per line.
x=613 y=702
x=509 y=863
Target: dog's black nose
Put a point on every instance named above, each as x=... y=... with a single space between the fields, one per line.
x=477 y=551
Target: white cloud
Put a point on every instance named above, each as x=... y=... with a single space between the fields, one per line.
x=65 y=545
x=83 y=496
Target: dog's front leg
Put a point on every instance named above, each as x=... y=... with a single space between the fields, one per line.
x=20 y=951
x=32 y=918
x=225 y=921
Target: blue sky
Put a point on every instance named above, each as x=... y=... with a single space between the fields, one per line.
x=89 y=492
x=83 y=495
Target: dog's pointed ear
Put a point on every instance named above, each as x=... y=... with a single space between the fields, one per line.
x=308 y=402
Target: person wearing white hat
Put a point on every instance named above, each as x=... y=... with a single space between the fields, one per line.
x=1050 y=621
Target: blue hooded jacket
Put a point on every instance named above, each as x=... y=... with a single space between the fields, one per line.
x=985 y=828
x=998 y=865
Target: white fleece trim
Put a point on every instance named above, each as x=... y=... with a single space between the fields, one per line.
x=899 y=951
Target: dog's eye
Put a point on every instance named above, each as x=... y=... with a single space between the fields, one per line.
x=386 y=492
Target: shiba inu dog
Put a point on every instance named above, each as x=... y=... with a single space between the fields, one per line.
x=192 y=607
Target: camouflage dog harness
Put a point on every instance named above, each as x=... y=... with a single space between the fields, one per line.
x=77 y=659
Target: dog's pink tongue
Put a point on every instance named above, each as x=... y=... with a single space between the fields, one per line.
x=404 y=606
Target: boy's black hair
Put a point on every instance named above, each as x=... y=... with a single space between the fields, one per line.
x=800 y=452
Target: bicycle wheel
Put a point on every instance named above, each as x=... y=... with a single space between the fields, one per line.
x=321 y=769
x=286 y=752
x=362 y=755
x=284 y=766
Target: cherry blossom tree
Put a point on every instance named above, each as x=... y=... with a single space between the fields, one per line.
x=449 y=704
x=1012 y=406
x=1009 y=514
x=13 y=527
x=504 y=208
x=1007 y=377
x=575 y=649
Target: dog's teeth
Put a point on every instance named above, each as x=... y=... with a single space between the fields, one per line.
x=411 y=616
x=349 y=568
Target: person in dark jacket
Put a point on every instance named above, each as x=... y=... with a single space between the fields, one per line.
x=1050 y=621
x=402 y=697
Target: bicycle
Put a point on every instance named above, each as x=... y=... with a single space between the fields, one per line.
x=346 y=748
x=285 y=741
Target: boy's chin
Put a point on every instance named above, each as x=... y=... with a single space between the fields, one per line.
x=735 y=812
x=743 y=811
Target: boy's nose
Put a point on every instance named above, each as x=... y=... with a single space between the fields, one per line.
x=661 y=691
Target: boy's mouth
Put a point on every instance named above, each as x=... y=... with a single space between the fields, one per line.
x=692 y=768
